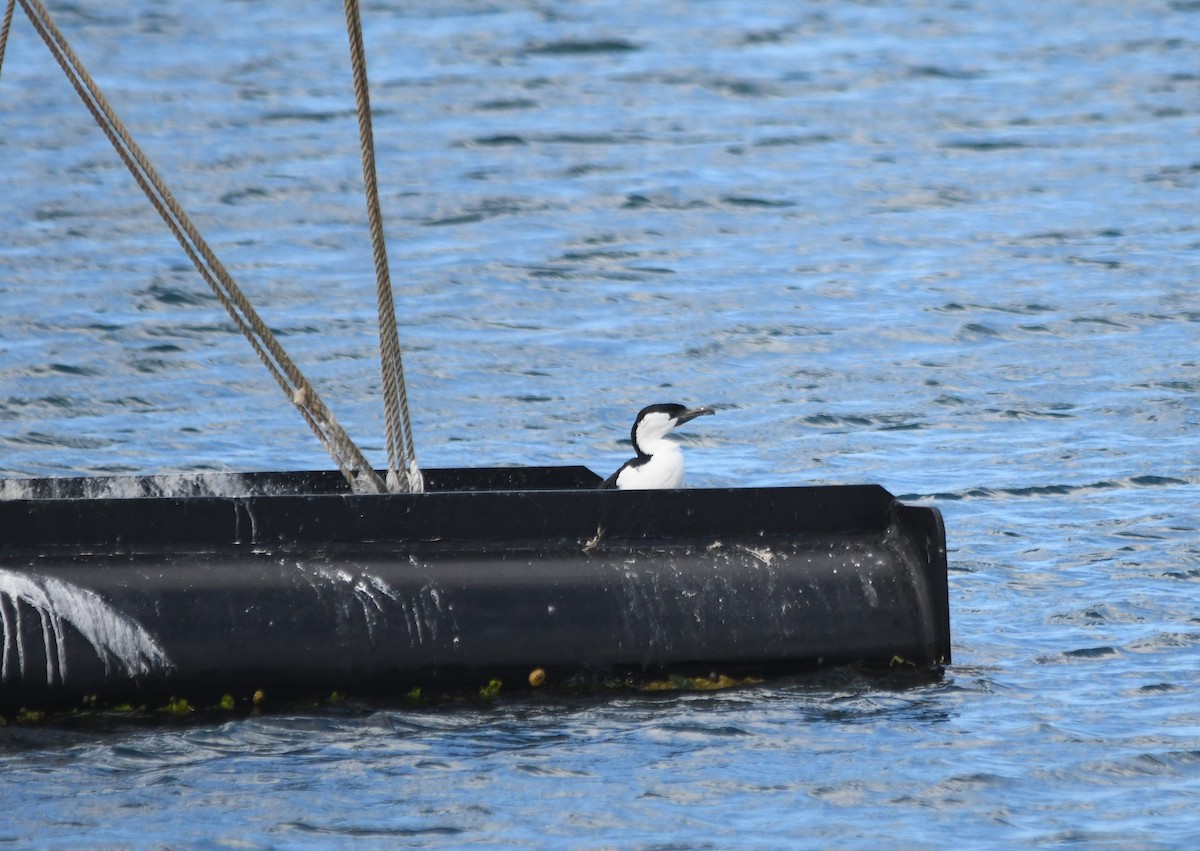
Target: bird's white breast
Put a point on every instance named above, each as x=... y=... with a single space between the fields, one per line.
x=663 y=470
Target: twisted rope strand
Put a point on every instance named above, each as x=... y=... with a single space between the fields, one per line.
x=403 y=473
x=4 y=28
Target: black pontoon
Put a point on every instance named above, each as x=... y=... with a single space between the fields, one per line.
x=116 y=590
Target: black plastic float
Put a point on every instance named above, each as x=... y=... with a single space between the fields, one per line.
x=134 y=589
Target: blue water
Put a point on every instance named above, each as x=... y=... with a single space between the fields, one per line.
x=948 y=247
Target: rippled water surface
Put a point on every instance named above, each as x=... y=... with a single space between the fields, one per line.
x=948 y=247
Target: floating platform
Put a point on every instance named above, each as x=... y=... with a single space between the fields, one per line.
x=143 y=589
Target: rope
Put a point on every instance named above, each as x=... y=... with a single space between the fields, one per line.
x=345 y=453
x=4 y=27
x=403 y=473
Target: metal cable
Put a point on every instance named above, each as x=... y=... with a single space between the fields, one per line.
x=345 y=453
x=403 y=473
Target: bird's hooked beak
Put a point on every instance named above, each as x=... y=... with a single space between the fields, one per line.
x=691 y=414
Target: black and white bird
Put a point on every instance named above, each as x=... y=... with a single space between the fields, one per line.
x=659 y=461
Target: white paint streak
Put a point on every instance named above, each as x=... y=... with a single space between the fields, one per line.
x=761 y=553
x=427 y=618
x=371 y=593
x=118 y=641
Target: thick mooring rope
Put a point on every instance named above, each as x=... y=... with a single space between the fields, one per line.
x=4 y=28
x=346 y=454
x=403 y=473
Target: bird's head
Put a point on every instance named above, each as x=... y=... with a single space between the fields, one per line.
x=654 y=422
